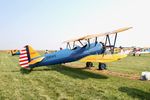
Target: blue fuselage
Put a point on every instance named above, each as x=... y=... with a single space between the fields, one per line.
x=70 y=55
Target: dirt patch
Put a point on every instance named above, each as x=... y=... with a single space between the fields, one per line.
x=119 y=74
x=104 y=72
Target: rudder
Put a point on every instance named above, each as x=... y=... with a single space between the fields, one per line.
x=27 y=54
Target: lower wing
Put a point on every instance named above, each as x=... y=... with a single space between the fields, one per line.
x=103 y=58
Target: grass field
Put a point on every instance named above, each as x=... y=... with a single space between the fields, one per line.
x=73 y=82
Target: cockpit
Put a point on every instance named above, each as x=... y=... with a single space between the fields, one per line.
x=72 y=45
x=81 y=42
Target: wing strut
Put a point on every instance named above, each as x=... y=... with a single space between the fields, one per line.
x=115 y=42
x=95 y=41
x=109 y=40
x=112 y=47
x=74 y=44
x=81 y=43
x=88 y=42
x=68 y=45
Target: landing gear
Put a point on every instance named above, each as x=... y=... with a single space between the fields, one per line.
x=89 y=64
x=102 y=66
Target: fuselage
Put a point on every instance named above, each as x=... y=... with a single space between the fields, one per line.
x=70 y=55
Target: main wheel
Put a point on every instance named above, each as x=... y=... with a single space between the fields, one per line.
x=102 y=66
x=89 y=64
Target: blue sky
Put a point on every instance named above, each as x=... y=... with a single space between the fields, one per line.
x=45 y=24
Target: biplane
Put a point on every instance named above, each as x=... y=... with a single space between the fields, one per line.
x=14 y=52
x=30 y=59
x=139 y=51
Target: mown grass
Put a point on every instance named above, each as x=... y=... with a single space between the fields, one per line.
x=132 y=64
x=61 y=82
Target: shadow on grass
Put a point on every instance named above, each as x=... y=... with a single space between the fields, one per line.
x=135 y=93
x=76 y=72
x=72 y=72
x=26 y=71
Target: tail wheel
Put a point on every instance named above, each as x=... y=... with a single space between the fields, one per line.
x=89 y=64
x=102 y=66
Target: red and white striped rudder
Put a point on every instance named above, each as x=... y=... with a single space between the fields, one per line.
x=23 y=58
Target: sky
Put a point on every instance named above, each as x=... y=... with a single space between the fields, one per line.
x=45 y=24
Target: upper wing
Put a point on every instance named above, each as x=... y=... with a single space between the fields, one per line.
x=107 y=33
x=76 y=39
x=98 y=35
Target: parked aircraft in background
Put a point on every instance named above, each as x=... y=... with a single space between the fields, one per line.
x=14 y=52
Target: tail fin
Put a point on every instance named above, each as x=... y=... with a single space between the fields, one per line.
x=27 y=54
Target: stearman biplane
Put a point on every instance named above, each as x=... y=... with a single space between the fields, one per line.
x=30 y=59
x=14 y=52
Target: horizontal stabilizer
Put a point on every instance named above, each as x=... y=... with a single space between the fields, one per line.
x=34 y=61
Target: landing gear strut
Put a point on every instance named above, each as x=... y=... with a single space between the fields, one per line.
x=102 y=66
x=89 y=64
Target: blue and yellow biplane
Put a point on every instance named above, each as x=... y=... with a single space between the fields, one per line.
x=14 y=52
x=30 y=59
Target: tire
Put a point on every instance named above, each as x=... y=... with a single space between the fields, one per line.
x=102 y=66
x=89 y=64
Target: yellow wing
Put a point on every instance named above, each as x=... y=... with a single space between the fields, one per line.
x=103 y=58
x=98 y=35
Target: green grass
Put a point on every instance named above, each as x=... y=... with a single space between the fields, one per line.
x=61 y=82
x=131 y=64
